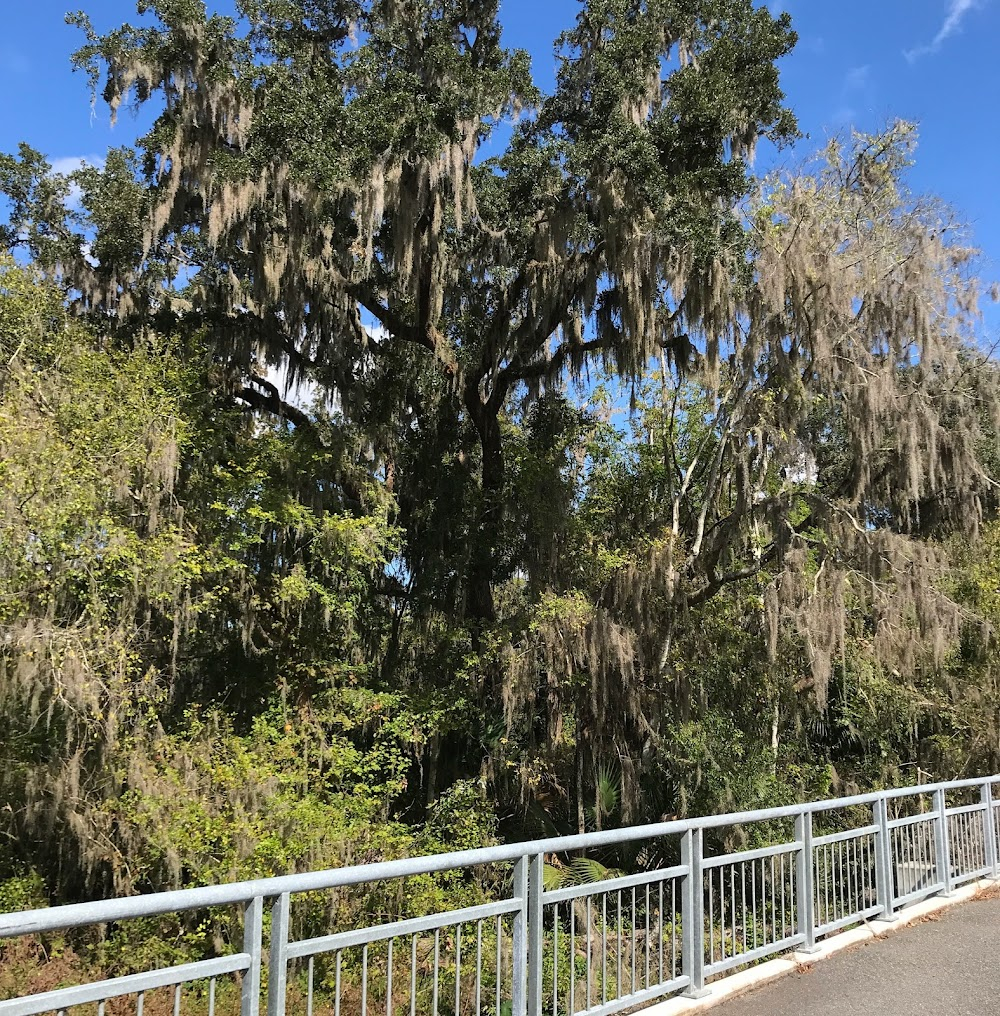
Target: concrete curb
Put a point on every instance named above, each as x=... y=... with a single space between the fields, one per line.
x=755 y=977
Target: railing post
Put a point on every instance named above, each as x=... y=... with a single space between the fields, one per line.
x=693 y=915
x=989 y=829
x=519 y=972
x=253 y=919
x=804 y=892
x=536 y=886
x=942 y=845
x=277 y=971
x=884 y=884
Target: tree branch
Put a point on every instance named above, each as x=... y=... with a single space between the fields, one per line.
x=270 y=401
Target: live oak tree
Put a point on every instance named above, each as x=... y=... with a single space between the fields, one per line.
x=319 y=172
x=394 y=297
x=316 y=198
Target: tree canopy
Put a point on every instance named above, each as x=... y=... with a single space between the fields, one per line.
x=414 y=456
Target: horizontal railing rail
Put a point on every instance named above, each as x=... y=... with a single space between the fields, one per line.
x=523 y=947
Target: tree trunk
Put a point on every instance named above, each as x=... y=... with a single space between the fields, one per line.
x=482 y=570
x=433 y=756
x=581 y=810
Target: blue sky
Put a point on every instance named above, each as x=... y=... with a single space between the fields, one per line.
x=858 y=63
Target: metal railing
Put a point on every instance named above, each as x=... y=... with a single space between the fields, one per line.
x=527 y=945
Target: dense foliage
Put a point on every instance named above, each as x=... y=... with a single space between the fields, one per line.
x=394 y=457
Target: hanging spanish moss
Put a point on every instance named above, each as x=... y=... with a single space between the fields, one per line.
x=383 y=438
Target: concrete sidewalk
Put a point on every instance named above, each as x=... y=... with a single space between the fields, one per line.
x=947 y=965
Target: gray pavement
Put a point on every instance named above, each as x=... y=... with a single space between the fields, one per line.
x=948 y=966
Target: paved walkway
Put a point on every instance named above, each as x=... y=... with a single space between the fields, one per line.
x=948 y=965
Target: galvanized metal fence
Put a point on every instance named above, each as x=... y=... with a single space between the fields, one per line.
x=533 y=946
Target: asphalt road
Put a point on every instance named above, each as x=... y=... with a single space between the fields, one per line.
x=948 y=966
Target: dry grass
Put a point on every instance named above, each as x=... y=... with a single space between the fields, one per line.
x=991 y=892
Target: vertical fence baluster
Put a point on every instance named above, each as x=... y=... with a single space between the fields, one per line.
x=523 y=921
x=721 y=872
x=827 y=852
x=864 y=845
x=845 y=877
x=571 y=911
x=589 y=940
x=856 y=869
x=388 y=981
x=963 y=828
x=535 y=931
x=364 y=981
x=618 y=950
x=942 y=845
x=253 y=920
x=499 y=962
x=995 y=818
x=732 y=902
x=976 y=845
x=277 y=974
x=957 y=832
x=978 y=833
x=962 y=831
x=604 y=948
x=966 y=833
x=336 y=984
x=780 y=868
x=989 y=830
x=673 y=931
x=693 y=914
x=774 y=897
x=711 y=915
x=870 y=899
x=956 y=845
x=972 y=843
x=867 y=868
x=458 y=968
x=659 y=931
x=753 y=897
x=479 y=967
x=804 y=881
x=555 y=960
x=905 y=835
x=631 y=986
x=436 y=972
x=838 y=849
x=413 y=974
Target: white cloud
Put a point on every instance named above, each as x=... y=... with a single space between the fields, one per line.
x=856 y=86
x=957 y=10
x=68 y=163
